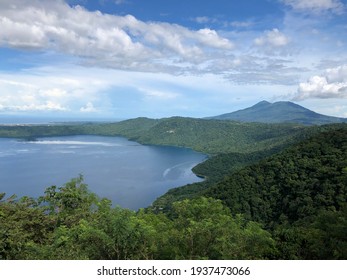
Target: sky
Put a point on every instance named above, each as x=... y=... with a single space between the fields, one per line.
x=120 y=59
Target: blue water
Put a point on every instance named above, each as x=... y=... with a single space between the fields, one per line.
x=130 y=174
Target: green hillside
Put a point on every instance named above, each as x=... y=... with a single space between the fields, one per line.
x=208 y=136
x=213 y=170
x=293 y=184
x=299 y=194
x=214 y=137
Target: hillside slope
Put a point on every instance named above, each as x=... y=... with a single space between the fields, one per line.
x=299 y=194
x=215 y=136
x=293 y=185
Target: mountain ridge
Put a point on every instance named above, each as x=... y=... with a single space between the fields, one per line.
x=279 y=112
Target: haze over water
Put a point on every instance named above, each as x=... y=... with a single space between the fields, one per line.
x=130 y=174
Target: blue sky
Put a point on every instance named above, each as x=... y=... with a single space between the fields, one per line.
x=116 y=59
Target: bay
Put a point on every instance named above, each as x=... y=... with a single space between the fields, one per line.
x=131 y=175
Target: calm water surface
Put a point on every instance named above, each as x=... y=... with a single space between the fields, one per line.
x=130 y=174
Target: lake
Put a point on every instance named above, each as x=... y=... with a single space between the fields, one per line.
x=128 y=173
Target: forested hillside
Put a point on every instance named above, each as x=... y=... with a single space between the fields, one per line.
x=300 y=195
x=208 y=136
x=214 y=137
x=293 y=185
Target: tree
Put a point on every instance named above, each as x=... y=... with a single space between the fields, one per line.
x=69 y=203
x=205 y=229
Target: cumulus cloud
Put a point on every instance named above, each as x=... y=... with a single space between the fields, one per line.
x=272 y=42
x=274 y=38
x=331 y=84
x=121 y=42
x=210 y=38
x=316 y=6
x=89 y=108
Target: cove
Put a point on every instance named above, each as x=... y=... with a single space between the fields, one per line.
x=131 y=175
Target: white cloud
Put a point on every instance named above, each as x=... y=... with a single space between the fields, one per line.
x=159 y=94
x=34 y=107
x=273 y=38
x=316 y=6
x=121 y=42
x=45 y=89
x=210 y=38
x=331 y=84
x=54 y=93
x=272 y=42
x=89 y=108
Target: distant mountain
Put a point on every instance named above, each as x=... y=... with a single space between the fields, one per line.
x=279 y=112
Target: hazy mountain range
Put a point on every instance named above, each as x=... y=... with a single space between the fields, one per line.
x=279 y=112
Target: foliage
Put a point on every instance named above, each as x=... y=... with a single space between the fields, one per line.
x=300 y=195
x=292 y=185
x=205 y=227
x=71 y=223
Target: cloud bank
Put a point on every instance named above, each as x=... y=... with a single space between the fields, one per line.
x=331 y=84
x=121 y=42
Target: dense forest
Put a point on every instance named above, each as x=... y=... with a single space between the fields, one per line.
x=207 y=136
x=299 y=194
x=271 y=192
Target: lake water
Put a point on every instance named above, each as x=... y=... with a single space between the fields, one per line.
x=130 y=174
